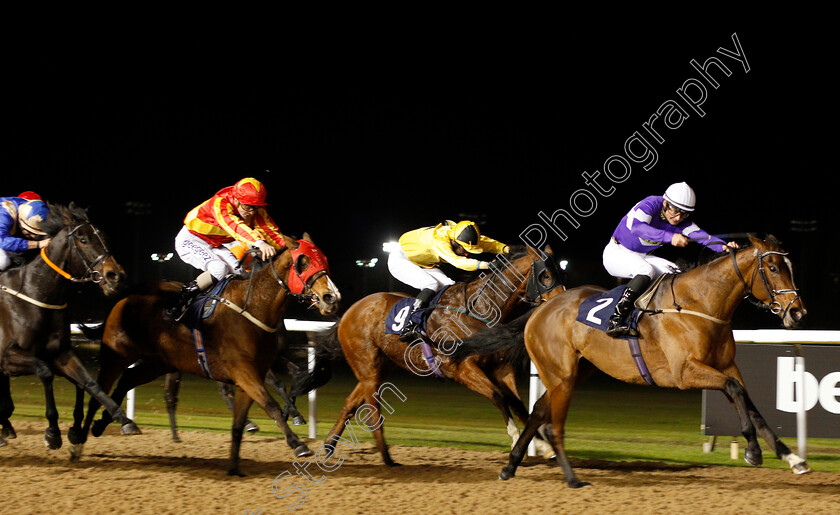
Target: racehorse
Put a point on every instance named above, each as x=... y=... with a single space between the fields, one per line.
x=686 y=342
x=34 y=327
x=521 y=277
x=238 y=342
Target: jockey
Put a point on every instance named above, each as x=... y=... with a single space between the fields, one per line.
x=20 y=227
x=422 y=251
x=218 y=232
x=655 y=221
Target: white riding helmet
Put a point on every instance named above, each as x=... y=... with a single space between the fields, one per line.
x=681 y=196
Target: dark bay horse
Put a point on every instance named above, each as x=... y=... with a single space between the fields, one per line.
x=238 y=341
x=686 y=342
x=526 y=276
x=34 y=326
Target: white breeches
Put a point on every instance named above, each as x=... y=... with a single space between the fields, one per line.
x=622 y=262
x=416 y=276
x=194 y=251
x=5 y=260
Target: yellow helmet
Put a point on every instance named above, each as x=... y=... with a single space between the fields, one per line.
x=466 y=234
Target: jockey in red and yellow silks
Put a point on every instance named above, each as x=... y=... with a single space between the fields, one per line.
x=217 y=222
x=217 y=232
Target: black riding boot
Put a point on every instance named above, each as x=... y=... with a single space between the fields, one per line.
x=188 y=293
x=410 y=329
x=619 y=325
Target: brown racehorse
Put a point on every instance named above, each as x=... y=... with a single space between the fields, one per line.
x=34 y=325
x=686 y=342
x=238 y=340
x=462 y=309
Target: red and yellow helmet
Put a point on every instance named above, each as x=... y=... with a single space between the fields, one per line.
x=250 y=191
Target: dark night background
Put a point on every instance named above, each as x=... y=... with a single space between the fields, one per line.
x=359 y=139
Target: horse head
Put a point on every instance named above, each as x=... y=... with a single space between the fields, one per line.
x=84 y=255
x=309 y=277
x=772 y=283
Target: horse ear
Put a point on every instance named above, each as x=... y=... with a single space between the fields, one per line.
x=548 y=250
x=755 y=240
x=308 y=238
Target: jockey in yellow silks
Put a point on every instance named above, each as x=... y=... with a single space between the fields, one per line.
x=422 y=251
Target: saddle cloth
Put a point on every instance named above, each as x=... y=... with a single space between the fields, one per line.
x=399 y=314
x=595 y=311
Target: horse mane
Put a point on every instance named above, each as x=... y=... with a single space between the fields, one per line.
x=60 y=216
x=707 y=257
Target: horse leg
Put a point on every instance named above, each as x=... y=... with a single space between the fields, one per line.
x=505 y=379
x=171 y=386
x=19 y=363
x=75 y=434
x=247 y=378
x=241 y=403
x=69 y=364
x=7 y=407
x=797 y=464
x=290 y=409
x=559 y=399
x=538 y=417
x=141 y=373
x=111 y=365
x=227 y=392
x=351 y=404
x=473 y=377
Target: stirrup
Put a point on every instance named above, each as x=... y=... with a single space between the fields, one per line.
x=409 y=332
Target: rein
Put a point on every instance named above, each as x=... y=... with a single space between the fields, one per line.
x=307 y=295
x=90 y=275
x=774 y=307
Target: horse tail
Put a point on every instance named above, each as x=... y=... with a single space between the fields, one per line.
x=327 y=350
x=506 y=341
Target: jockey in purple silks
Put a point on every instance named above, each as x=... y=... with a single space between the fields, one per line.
x=655 y=221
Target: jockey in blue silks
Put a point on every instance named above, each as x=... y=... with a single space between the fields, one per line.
x=20 y=227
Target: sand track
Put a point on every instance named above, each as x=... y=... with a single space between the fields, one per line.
x=150 y=474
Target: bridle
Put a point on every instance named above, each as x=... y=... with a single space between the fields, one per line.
x=774 y=305
x=90 y=274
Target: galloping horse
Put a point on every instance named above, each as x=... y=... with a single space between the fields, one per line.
x=34 y=327
x=237 y=343
x=686 y=342
x=522 y=277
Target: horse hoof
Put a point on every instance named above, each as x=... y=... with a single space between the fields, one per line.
x=754 y=459
x=76 y=436
x=176 y=438
x=8 y=433
x=52 y=442
x=250 y=427
x=801 y=468
x=298 y=421
x=576 y=483
x=98 y=428
x=130 y=428
x=3 y=442
x=302 y=450
x=76 y=452
x=235 y=472
x=506 y=474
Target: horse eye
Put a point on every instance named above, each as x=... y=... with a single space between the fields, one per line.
x=774 y=269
